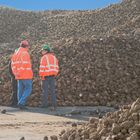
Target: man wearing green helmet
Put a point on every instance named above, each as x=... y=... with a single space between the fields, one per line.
x=48 y=70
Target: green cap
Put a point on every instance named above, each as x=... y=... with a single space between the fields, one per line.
x=23 y=37
x=16 y=49
x=46 y=47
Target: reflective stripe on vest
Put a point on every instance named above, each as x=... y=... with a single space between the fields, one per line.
x=42 y=66
x=21 y=68
x=19 y=62
x=48 y=63
x=51 y=70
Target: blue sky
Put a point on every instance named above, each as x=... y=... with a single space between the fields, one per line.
x=37 y=5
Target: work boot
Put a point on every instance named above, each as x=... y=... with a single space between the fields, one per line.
x=53 y=108
x=14 y=105
x=44 y=106
x=22 y=107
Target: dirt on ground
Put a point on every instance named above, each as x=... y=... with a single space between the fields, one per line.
x=36 y=123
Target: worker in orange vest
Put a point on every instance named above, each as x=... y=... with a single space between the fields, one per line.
x=48 y=70
x=22 y=69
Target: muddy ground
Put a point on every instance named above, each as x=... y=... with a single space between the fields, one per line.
x=35 y=123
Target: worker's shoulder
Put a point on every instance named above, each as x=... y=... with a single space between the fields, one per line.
x=24 y=53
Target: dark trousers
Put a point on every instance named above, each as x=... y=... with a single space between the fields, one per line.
x=14 y=91
x=49 y=83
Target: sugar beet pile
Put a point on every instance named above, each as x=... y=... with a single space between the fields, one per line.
x=98 y=52
x=120 y=125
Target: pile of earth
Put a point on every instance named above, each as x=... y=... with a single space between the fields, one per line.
x=123 y=124
x=98 y=52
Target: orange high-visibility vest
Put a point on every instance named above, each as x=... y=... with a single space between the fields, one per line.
x=48 y=65
x=21 y=64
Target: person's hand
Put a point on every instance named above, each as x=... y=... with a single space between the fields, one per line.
x=17 y=75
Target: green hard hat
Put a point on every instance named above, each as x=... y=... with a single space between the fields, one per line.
x=46 y=47
x=23 y=37
x=16 y=49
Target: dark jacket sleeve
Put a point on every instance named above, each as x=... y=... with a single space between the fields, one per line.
x=10 y=70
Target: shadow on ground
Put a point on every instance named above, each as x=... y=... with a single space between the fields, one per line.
x=76 y=112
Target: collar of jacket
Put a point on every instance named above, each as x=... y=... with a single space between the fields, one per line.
x=48 y=53
x=23 y=49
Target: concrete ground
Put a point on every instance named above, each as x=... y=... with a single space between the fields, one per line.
x=35 y=123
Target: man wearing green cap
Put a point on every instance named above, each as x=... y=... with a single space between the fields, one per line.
x=48 y=71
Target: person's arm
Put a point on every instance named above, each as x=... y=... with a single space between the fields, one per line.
x=42 y=67
x=10 y=69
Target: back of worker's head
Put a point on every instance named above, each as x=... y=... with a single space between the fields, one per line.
x=24 y=44
x=46 y=47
